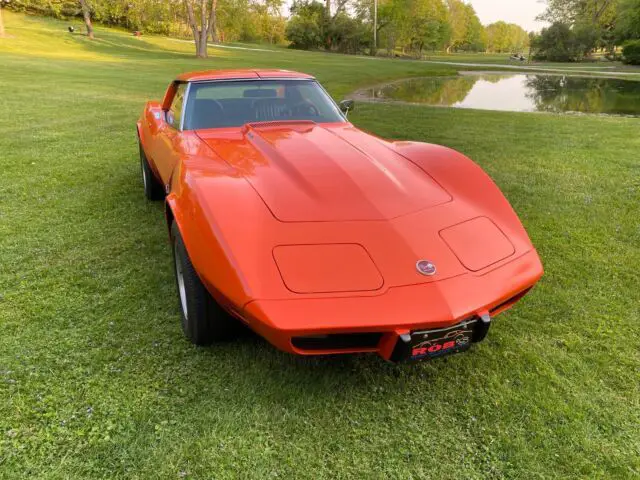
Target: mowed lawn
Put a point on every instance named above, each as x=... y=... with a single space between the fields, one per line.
x=97 y=380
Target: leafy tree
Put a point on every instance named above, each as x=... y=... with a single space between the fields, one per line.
x=505 y=37
x=580 y=11
x=555 y=43
x=631 y=52
x=562 y=43
x=628 y=23
x=467 y=33
x=268 y=21
x=346 y=34
x=421 y=24
x=303 y=33
x=306 y=27
x=312 y=26
x=476 y=38
x=599 y=16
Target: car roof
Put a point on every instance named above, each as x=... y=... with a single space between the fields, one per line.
x=245 y=74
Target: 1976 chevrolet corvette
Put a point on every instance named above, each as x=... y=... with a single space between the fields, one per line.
x=318 y=236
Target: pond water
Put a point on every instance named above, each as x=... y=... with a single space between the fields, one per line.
x=516 y=93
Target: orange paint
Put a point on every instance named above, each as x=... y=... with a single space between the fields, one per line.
x=306 y=228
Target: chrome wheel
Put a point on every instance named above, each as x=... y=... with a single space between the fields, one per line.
x=182 y=292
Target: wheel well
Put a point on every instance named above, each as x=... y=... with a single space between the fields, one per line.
x=168 y=213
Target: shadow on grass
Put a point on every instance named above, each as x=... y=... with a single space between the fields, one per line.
x=107 y=43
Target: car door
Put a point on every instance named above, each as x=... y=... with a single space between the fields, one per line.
x=168 y=141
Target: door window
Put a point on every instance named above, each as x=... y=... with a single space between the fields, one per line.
x=174 y=115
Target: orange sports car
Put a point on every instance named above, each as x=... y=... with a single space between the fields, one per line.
x=320 y=237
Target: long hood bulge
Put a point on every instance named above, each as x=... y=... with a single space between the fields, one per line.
x=308 y=173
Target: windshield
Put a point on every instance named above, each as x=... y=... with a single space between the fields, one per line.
x=234 y=103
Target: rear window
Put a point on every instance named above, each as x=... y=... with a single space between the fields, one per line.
x=235 y=103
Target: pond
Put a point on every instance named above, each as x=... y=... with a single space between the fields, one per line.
x=516 y=93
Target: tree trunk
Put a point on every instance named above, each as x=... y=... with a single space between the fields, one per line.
x=86 y=13
x=204 y=30
x=194 y=29
x=1 y=23
x=213 y=21
x=206 y=27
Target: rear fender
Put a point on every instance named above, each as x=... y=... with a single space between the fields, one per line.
x=147 y=127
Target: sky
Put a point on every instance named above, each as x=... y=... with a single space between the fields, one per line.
x=521 y=12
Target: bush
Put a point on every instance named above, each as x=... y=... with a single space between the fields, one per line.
x=562 y=43
x=555 y=44
x=631 y=53
x=303 y=33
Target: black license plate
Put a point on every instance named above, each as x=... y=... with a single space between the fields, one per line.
x=444 y=341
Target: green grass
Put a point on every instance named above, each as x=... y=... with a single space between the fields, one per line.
x=97 y=381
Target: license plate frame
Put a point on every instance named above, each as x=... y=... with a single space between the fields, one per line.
x=441 y=342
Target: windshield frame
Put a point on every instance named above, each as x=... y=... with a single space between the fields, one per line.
x=329 y=98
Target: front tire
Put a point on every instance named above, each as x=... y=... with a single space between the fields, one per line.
x=203 y=320
x=153 y=189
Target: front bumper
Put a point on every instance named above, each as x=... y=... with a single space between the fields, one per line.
x=397 y=312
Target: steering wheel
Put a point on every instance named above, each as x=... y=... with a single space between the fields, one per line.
x=217 y=104
x=305 y=107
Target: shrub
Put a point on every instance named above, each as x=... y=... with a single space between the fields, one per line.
x=631 y=52
x=563 y=43
x=303 y=33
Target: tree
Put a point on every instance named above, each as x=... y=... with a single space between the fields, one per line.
x=562 y=43
x=580 y=11
x=599 y=16
x=330 y=20
x=86 y=14
x=505 y=37
x=631 y=52
x=202 y=23
x=423 y=24
x=306 y=28
x=466 y=30
x=2 y=5
x=628 y=22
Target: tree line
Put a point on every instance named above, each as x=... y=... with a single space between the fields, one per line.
x=220 y=20
x=581 y=27
x=408 y=27
x=398 y=27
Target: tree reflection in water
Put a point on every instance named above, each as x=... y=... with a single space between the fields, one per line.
x=519 y=92
x=444 y=91
x=553 y=93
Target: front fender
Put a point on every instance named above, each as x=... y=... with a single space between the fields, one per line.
x=466 y=181
x=204 y=239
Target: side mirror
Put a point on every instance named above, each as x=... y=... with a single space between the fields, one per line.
x=346 y=106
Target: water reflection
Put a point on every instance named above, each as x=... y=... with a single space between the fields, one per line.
x=518 y=93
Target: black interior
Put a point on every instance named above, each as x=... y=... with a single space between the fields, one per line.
x=230 y=112
x=233 y=104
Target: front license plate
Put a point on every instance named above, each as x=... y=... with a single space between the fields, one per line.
x=441 y=342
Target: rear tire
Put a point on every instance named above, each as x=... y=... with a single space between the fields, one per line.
x=153 y=189
x=203 y=320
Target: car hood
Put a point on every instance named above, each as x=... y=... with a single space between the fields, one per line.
x=305 y=172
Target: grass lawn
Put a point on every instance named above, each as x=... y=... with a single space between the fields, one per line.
x=97 y=381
